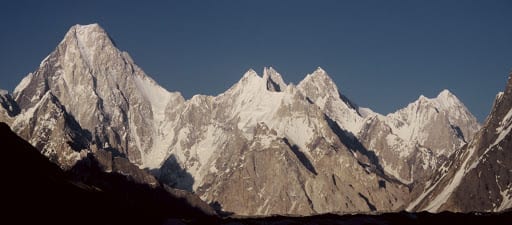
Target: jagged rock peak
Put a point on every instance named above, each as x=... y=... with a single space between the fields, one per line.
x=273 y=80
x=445 y=106
x=8 y=103
x=86 y=33
x=91 y=42
x=444 y=99
x=250 y=73
x=319 y=83
x=447 y=99
x=445 y=93
x=319 y=70
x=319 y=76
x=248 y=78
x=422 y=98
x=270 y=80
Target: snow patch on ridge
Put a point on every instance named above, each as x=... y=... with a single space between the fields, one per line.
x=23 y=84
x=440 y=199
x=464 y=169
x=158 y=98
x=156 y=95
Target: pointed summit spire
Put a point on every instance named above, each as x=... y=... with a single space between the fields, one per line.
x=249 y=73
x=445 y=94
x=321 y=81
x=270 y=80
x=273 y=79
x=319 y=70
x=320 y=73
x=446 y=99
x=87 y=33
x=91 y=41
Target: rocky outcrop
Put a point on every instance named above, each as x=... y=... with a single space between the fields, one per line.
x=285 y=149
x=106 y=93
x=477 y=177
x=8 y=107
x=53 y=131
x=275 y=148
x=44 y=193
x=321 y=90
x=414 y=142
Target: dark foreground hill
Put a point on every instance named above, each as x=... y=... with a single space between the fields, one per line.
x=36 y=191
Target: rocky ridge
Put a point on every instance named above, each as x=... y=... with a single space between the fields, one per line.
x=332 y=155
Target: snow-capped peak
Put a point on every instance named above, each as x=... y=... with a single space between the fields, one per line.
x=446 y=99
x=319 y=70
x=320 y=73
x=274 y=80
x=320 y=89
x=250 y=73
x=424 y=112
x=445 y=93
x=86 y=33
x=3 y=92
x=252 y=82
x=319 y=81
x=88 y=27
x=91 y=41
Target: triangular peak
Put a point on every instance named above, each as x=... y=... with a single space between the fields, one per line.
x=91 y=41
x=445 y=93
x=250 y=73
x=270 y=80
x=274 y=80
x=445 y=99
x=317 y=75
x=321 y=82
x=87 y=33
x=319 y=70
x=445 y=96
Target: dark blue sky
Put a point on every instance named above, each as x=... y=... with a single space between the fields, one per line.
x=381 y=54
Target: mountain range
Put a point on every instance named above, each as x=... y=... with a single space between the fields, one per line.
x=263 y=146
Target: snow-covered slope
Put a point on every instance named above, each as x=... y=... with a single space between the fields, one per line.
x=259 y=126
x=282 y=148
x=418 y=121
x=478 y=176
x=412 y=143
x=319 y=88
x=123 y=109
x=96 y=95
x=49 y=128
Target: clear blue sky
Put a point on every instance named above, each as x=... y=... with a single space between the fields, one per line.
x=381 y=54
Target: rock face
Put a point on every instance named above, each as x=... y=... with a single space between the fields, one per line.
x=104 y=91
x=478 y=176
x=53 y=131
x=8 y=107
x=410 y=144
x=47 y=194
x=415 y=141
x=277 y=150
x=319 y=88
x=262 y=147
